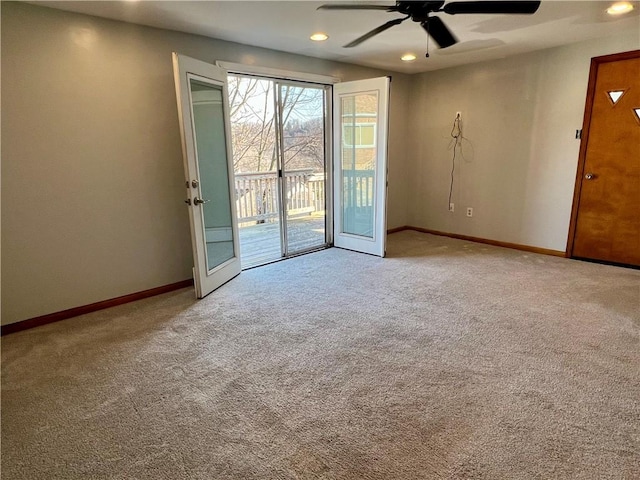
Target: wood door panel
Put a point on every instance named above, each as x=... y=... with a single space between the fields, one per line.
x=608 y=220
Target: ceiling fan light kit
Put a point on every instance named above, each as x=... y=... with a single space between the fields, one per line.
x=434 y=26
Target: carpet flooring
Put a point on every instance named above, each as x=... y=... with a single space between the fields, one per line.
x=446 y=360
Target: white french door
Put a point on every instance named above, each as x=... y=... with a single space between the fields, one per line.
x=360 y=125
x=201 y=92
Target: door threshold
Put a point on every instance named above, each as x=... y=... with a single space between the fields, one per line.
x=293 y=255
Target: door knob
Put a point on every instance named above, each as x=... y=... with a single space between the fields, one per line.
x=590 y=176
x=199 y=201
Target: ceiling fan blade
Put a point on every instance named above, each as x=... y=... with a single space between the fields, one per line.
x=375 y=32
x=489 y=7
x=436 y=28
x=356 y=6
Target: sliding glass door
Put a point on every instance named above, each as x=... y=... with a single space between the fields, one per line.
x=278 y=132
x=252 y=103
x=302 y=146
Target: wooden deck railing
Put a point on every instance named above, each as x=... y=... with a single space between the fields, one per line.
x=257 y=193
x=358 y=188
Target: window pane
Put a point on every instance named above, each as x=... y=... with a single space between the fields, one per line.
x=367 y=135
x=347 y=135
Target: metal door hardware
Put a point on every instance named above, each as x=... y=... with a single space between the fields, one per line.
x=194 y=183
x=590 y=176
x=199 y=201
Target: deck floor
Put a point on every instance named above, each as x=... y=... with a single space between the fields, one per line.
x=260 y=243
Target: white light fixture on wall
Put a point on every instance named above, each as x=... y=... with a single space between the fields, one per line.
x=619 y=8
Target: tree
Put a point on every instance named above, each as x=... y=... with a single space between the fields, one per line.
x=253 y=124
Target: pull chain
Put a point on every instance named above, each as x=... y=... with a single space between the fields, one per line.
x=428 y=35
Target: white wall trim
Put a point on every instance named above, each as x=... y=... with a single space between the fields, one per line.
x=277 y=73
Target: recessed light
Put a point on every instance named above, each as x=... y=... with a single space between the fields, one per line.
x=408 y=57
x=619 y=8
x=319 y=37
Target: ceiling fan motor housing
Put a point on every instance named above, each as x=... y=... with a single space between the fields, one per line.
x=418 y=11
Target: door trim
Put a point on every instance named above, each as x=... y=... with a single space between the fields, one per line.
x=586 y=122
x=276 y=73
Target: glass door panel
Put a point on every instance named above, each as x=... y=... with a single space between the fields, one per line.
x=209 y=133
x=359 y=151
x=303 y=120
x=253 y=133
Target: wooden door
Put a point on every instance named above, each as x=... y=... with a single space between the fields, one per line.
x=606 y=212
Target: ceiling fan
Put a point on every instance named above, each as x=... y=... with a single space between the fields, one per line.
x=420 y=12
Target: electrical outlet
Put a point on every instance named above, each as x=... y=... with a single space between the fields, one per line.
x=451 y=207
x=469 y=211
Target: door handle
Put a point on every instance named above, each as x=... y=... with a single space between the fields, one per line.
x=199 y=201
x=590 y=176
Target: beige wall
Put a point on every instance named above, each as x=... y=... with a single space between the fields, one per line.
x=519 y=115
x=92 y=180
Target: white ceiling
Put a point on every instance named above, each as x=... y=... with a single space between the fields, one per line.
x=286 y=26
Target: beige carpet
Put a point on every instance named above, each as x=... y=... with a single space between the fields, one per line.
x=447 y=360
